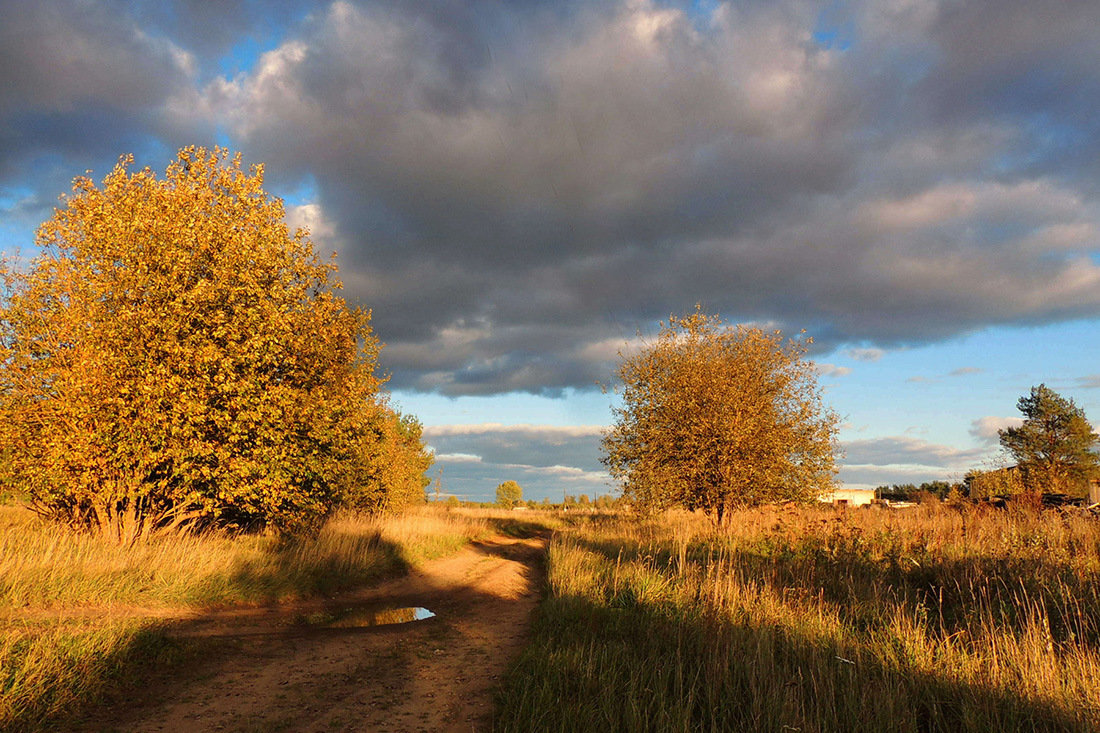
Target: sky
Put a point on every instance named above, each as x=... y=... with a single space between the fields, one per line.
x=520 y=191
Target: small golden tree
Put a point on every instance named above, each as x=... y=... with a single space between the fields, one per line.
x=509 y=494
x=716 y=417
x=176 y=354
x=390 y=473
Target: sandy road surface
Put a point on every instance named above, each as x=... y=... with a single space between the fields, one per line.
x=296 y=668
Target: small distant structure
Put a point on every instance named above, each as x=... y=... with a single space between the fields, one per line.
x=848 y=497
x=1094 y=491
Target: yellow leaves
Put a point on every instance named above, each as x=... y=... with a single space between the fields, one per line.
x=715 y=416
x=174 y=327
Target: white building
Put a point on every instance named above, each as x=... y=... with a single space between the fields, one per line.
x=848 y=497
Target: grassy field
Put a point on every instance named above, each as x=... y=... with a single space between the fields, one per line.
x=81 y=618
x=931 y=619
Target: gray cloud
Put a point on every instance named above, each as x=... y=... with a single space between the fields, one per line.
x=548 y=460
x=484 y=455
x=866 y=354
x=554 y=187
x=80 y=85
x=513 y=186
x=904 y=450
x=905 y=459
x=537 y=446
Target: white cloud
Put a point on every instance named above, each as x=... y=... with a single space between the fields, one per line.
x=985 y=428
x=457 y=458
x=311 y=217
x=832 y=370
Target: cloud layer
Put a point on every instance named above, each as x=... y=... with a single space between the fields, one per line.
x=517 y=188
x=549 y=461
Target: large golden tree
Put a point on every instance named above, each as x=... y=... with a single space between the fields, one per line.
x=715 y=417
x=176 y=354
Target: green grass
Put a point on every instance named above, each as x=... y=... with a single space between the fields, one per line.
x=816 y=620
x=81 y=618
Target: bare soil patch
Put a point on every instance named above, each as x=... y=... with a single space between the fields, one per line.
x=311 y=667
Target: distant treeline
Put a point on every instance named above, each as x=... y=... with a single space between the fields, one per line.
x=581 y=501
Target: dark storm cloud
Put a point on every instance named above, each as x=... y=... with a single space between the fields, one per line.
x=82 y=84
x=516 y=188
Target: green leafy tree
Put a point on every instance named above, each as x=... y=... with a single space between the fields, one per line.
x=176 y=355
x=1055 y=447
x=939 y=489
x=716 y=417
x=509 y=494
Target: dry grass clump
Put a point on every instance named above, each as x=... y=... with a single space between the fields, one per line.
x=819 y=620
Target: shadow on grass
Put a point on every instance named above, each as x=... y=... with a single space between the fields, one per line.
x=64 y=676
x=954 y=591
x=304 y=568
x=643 y=669
x=43 y=689
x=629 y=665
x=518 y=528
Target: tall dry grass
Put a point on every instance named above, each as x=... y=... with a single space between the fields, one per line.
x=45 y=567
x=817 y=620
x=81 y=616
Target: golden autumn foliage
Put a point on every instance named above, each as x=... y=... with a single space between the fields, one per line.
x=175 y=354
x=717 y=417
x=393 y=463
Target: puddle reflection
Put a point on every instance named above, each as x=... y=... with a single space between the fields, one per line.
x=381 y=617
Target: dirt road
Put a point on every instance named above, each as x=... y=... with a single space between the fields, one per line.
x=323 y=667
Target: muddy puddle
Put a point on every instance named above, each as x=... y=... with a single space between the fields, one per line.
x=351 y=618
